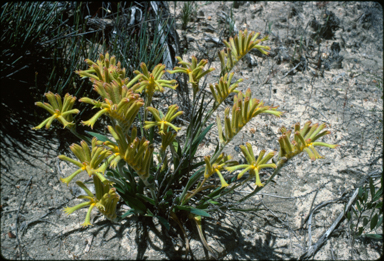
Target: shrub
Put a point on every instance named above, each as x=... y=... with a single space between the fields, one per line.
x=155 y=173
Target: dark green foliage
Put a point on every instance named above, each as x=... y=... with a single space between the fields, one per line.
x=372 y=208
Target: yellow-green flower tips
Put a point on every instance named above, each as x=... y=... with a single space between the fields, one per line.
x=254 y=165
x=221 y=90
x=219 y=164
x=88 y=160
x=193 y=69
x=107 y=204
x=106 y=201
x=304 y=140
x=62 y=111
x=244 y=109
x=123 y=108
x=104 y=70
x=151 y=82
x=238 y=47
x=163 y=122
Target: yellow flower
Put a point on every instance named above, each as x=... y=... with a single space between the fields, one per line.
x=60 y=111
x=254 y=165
x=219 y=164
x=89 y=160
x=161 y=121
x=151 y=82
x=194 y=71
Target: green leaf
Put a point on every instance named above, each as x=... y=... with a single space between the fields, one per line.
x=371 y=187
x=198 y=140
x=365 y=197
x=358 y=206
x=374 y=236
x=378 y=194
x=199 y=212
x=118 y=182
x=192 y=181
x=380 y=222
x=149 y=213
x=149 y=200
x=129 y=212
x=374 y=221
x=99 y=136
x=354 y=211
x=183 y=208
x=168 y=193
x=360 y=193
x=196 y=211
x=365 y=221
x=361 y=229
x=164 y=222
x=349 y=215
x=134 y=203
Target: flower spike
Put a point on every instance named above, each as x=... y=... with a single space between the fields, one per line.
x=244 y=109
x=303 y=140
x=224 y=88
x=238 y=47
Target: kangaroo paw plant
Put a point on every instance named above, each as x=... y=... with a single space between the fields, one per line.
x=145 y=164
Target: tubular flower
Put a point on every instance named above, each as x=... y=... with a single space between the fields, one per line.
x=194 y=71
x=244 y=109
x=105 y=70
x=219 y=164
x=59 y=110
x=161 y=121
x=238 y=47
x=304 y=140
x=124 y=111
x=137 y=153
x=254 y=164
x=224 y=88
x=151 y=82
x=105 y=201
x=89 y=160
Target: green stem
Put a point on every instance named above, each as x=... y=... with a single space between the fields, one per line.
x=151 y=189
x=197 y=190
x=277 y=170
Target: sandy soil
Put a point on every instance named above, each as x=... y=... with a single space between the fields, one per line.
x=345 y=92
